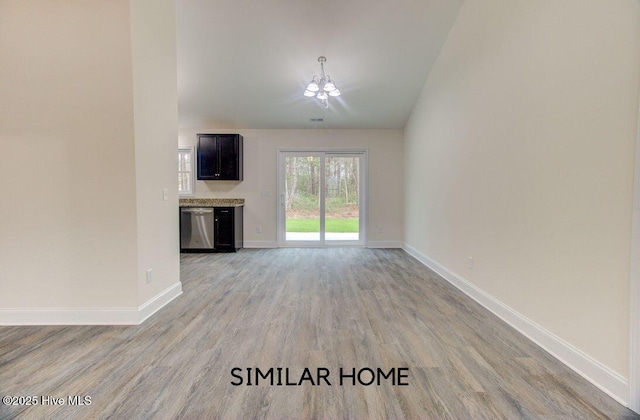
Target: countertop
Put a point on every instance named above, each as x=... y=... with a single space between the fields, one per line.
x=211 y=202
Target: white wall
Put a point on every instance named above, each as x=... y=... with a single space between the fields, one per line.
x=67 y=171
x=260 y=153
x=520 y=153
x=88 y=134
x=153 y=37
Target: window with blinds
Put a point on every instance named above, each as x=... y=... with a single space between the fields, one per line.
x=185 y=171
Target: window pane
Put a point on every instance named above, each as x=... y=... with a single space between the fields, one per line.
x=302 y=198
x=185 y=177
x=342 y=199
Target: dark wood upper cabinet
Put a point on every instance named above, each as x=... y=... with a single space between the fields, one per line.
x=219 y=157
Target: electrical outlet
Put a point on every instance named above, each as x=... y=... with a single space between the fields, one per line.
x=165 y=194
x=470 y=262
x=149 y=275
x=265 y=193
x=379 y=230
x=258 y=229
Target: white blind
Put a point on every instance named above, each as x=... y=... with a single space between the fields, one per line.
x=185 y=171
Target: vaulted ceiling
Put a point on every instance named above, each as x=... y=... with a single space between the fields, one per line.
x=245 y=63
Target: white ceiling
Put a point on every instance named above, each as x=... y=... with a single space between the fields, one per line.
x=245 y=63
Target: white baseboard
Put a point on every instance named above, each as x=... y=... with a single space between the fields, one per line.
x=595 y=372
x=384 y=244
x=90 y=316
x=158 y=302
x=260 y=244
x=69 y=316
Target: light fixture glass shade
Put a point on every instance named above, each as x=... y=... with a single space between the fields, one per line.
x=313 y=86
x=329 y=86
x=322 y=86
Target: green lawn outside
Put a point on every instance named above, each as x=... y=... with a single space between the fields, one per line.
x=331 y=225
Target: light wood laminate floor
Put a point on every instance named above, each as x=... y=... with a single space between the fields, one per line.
x=297 y=308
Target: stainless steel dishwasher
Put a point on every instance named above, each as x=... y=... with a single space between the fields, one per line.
x=196 y=228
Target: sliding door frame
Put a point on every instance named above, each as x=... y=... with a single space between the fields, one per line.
x=634 y=287
x=363 y=204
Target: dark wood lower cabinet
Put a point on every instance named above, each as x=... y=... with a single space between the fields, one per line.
x=227 y=228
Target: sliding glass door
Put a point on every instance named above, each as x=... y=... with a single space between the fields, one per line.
x=321 y=198
x=301 y=199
